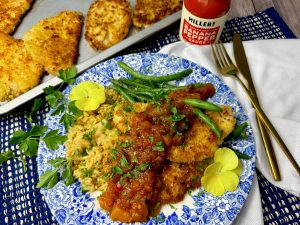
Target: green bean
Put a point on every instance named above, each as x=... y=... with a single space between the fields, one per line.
x=133 y=83
x=203 y=105
x=158 y=79
x=208 y=121
x=136 y=92
x=122 y=92
x=143 y=98
x=239 y=130
x=152 y=84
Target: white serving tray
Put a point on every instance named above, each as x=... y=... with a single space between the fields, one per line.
x=88 y=57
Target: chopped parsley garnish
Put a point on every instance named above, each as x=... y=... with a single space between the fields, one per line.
x=116 y=170
x=127 y=108
x=159 y=147
x=126 y=144
x=114 y=153
x=106 y=123
x=172 y=207
x=124 y=162
x=151 y=138
x=143 y=166
x=89 y=135
x=87 y=173
x=176 y=116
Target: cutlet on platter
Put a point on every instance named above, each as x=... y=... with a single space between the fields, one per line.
x=18 y=71
x=148 y=12
x=108 y=22
x=11 y=13
x=53 y=42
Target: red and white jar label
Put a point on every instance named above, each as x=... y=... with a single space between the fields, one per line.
x=200 y=31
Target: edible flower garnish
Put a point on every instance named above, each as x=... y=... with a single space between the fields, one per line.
x=223 y=174
x=88 y=95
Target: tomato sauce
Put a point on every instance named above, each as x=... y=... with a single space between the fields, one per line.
x=132 y=194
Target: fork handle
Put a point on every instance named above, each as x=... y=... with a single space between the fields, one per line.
x=270 y=126
x=269 y=149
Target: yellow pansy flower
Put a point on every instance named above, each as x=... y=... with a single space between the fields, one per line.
x=88 y=95
x=223 y=174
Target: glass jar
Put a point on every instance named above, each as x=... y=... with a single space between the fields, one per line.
x=202 y=21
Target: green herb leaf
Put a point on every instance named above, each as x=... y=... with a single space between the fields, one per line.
x=143 y=167
x=127 y=108
x=53 y=181
x=68 y=75
x=38 y=102
x=87 y=172
x=52 y=139
x=67 y=176
x=48 y=177
x=124 y=162
x=37 y=131
x=29 y=147
x=89 y=135
x=113 y=153
x=73 y=109
x=176 y=116
x=68 y=120
x=54 y=98
x=18 y=137
x=23 y=160
x=57 y=162
x=159 y=147
x=58 y=110
x=49 y=90
x=116 y=170
x=4 y=156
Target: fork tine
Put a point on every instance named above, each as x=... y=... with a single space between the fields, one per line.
x=226 y=56
x=215 y=56
x=220 y=56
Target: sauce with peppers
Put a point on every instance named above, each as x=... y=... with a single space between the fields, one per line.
x=135 y=184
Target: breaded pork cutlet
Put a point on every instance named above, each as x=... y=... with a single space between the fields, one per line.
x=53 y=42
x=108 y=22
x=11 y=12
x=18 y=71
x=177 y=178
x=147 y=12
x=200 y=141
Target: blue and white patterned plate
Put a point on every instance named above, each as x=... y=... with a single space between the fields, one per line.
x=70 y=206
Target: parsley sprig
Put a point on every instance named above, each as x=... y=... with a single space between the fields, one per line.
x=28 y=139
x=51 y=177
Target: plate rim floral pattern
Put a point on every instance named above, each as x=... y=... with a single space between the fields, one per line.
x=70 y=206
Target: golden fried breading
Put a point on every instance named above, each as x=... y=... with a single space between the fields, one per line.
x=177 y=178
x=53 y=42
x=108 y=22
x=11 y=12
x=200 y=141
x=18 y=71
x=147 y=12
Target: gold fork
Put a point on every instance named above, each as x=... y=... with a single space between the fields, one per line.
x=227 y=68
